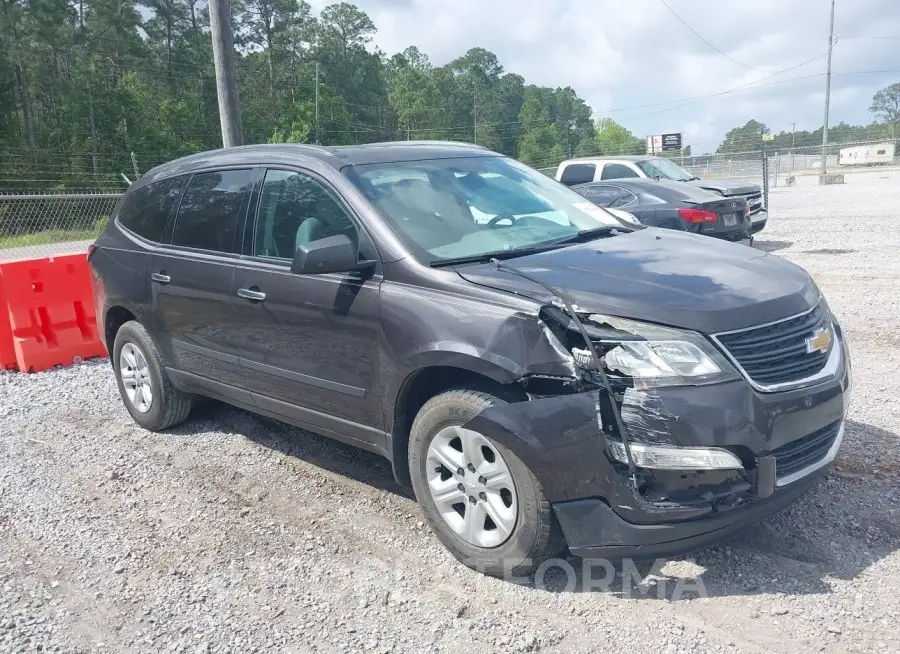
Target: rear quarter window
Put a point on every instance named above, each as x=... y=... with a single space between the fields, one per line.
x=578 y=174
x=145 y=210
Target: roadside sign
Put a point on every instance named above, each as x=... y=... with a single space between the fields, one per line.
x=664 y=143
x=671 y=142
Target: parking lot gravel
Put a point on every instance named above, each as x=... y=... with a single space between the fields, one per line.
x=234 y=533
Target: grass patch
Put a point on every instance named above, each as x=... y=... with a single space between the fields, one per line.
x=46 y=238
x=49 y=236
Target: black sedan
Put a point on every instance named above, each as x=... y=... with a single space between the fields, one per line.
x=673 y=205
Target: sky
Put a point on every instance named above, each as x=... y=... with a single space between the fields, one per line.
x=623 y=55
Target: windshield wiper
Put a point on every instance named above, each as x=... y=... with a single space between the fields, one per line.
x=502 y=254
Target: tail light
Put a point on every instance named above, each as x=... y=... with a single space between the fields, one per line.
x=697 y=215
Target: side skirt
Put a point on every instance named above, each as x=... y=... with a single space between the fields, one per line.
x=339 y=429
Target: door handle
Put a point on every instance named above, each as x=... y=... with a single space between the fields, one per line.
x=251 y=294
x=162 y=278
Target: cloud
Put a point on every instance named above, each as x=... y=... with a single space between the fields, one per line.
x=621 y=56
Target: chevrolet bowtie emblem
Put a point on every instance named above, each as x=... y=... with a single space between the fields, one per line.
x=820 y=341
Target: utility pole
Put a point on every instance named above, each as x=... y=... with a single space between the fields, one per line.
x=475 y=114
x=317 y=103
x=226 y=74
x=827 y=91
x=793 y=143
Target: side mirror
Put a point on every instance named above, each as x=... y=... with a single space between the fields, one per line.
x=328 y=255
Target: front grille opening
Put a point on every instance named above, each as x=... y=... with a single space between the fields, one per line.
x=777 y=354
x=799 y=454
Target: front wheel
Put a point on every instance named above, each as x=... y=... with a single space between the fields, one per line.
x=480 y=499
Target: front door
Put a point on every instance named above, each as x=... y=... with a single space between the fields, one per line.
x=192 y=277
x=308 y=343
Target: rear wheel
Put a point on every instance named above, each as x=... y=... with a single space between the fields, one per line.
x=480 y=499
x=149 y=395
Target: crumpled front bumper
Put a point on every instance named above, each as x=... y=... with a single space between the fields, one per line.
x=562 y=440
x=592 y=529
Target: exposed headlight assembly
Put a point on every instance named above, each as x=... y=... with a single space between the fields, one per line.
x=655 y=356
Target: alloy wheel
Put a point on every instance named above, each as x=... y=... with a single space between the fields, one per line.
x=471 y=486
x=135 y=376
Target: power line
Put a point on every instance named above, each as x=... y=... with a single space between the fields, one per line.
x=866 y=38
x=700 y=36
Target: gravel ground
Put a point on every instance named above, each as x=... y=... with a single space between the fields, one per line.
x=234 y=533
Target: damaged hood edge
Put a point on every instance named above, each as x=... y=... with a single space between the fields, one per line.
x=665 y=277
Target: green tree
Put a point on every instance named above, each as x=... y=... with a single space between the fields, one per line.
x=743 y=139
x=540 y=142
x=354 y=73
x=886 y=105
x=613 y=138
x=415 y=97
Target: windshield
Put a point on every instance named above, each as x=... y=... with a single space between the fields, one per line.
x=665 y=169
x=447 y=209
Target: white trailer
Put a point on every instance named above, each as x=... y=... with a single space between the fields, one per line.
x=867 y=155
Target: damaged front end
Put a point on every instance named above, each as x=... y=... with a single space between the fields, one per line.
x=666 y=468
x=656 y=444
x=630 y=445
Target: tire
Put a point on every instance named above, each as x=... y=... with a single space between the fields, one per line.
x=535 y=537
x=167 y=405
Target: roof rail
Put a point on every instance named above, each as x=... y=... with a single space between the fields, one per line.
x=439 y=142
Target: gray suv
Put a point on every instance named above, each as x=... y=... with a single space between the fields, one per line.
x=543 y=374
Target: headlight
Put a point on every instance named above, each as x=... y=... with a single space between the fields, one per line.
x=657 y=356
x=666 y=457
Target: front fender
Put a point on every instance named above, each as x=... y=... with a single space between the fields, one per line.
x=559 y=438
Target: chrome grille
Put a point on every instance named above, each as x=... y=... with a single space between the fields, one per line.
x=777 y=353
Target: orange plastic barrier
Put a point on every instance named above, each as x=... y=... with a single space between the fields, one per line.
x=7 y=353
x=50 y=307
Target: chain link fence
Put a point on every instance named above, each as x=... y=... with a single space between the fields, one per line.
x=41 y=223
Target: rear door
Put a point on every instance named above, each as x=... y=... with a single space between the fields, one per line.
x=618 y=171
x=603 y=195
x=612 y=196
x=191 y=276
x=308 y=343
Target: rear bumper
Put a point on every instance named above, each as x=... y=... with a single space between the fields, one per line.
x=758 y=221
x=592 y=529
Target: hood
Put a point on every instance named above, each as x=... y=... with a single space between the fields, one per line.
x=726 y=186
x=663 y=276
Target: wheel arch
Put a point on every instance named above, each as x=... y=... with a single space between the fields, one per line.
x=116 y=314
x=425 y=382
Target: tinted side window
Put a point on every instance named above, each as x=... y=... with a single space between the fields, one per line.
x=626 y=198
x=210 y=209
x=146 y=210
x=602 y=196
x=295 y=209
x=617 y=171
x=578 y=174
